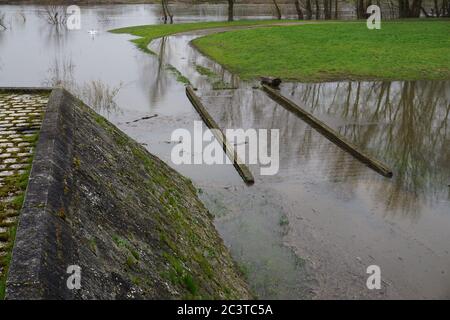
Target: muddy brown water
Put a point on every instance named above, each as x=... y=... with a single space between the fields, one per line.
x=335 y=213
x=311 y=230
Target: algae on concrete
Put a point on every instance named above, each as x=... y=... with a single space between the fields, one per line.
x=134 y=225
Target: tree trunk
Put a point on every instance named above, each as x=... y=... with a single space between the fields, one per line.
x=407 y=11
x=317 y=10
x=445 y=8
x=163 y=4
x=415 y=9
x=425 y=12
x=230 y=10
x=435 y=10
x=336 y=8
x=2 y=23
x=308 y=10
x=169 y=13
x=361 y=9
x=299 y=10
x=277 y=8
x=403 y=8
x=327 y=9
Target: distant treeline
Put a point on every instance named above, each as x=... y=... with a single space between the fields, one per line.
x=306 y=9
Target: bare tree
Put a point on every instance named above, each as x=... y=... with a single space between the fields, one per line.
x=445 y=8
x=359 y=4
x=54 y=14
x=2 y=21
x=393 y=8
x=167 y=14
x=409 y=10
x=336 y=9
x=164 y=12
x=99 y=95
x=436 y=8
x=327 y=9
x=299 y=9
x=317 y=10
x=308 y=10
x=277 y=8
x=231 y=10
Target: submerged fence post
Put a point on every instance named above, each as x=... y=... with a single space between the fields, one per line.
x=328 y=132
x=241 y=168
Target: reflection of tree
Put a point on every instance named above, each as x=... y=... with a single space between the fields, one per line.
x=55 y=15
x=60 y=74
x=403 y=123
x=97 y=94
x=105 y=15
x=167 y=14
x=100 y=96
x=160 y=80
x=2 y=22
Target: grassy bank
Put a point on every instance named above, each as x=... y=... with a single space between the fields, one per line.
x=150 y=32
x=15 y=165
x=407 y=50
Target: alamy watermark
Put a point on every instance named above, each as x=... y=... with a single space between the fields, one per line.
x=374 y=20
x=73 y=18
x=74 y=280
x=253 y=146
x=374 y=280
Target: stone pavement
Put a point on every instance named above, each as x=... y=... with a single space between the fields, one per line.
x=20 y=120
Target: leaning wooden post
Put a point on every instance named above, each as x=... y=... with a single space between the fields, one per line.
x=328 y=132
x=241 y=168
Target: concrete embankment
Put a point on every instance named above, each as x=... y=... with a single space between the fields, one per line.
x=98 y=200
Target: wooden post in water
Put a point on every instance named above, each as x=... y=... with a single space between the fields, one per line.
x=328 y=132
x=241 y=168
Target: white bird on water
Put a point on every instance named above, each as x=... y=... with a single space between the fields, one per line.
x=92 y=33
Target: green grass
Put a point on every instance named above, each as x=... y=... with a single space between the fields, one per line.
x=215 y=79
x=407 y=50
x=148 y=33
x=178 y=74
x=5 y=261
x=205 y=71
x=15 y=184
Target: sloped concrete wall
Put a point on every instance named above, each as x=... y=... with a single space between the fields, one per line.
x=98 y=200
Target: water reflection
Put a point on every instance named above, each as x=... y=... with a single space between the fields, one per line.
x=60 y=73
x=403 y=123
x=100 y=96
x=176 y=51
x=319 y=185
x=54 y=15
x=95 y=93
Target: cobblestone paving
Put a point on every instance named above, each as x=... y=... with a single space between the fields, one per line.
x=20 y=120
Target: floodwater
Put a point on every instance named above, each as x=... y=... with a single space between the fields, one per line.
x=311 y=230
x=335 y=213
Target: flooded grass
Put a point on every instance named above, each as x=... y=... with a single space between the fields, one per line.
x=310 y=231
x=151 y=32
x=178 y=74
x=216 y=81
x=406 y=50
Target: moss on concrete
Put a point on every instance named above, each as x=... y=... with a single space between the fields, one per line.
x=134 y=225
